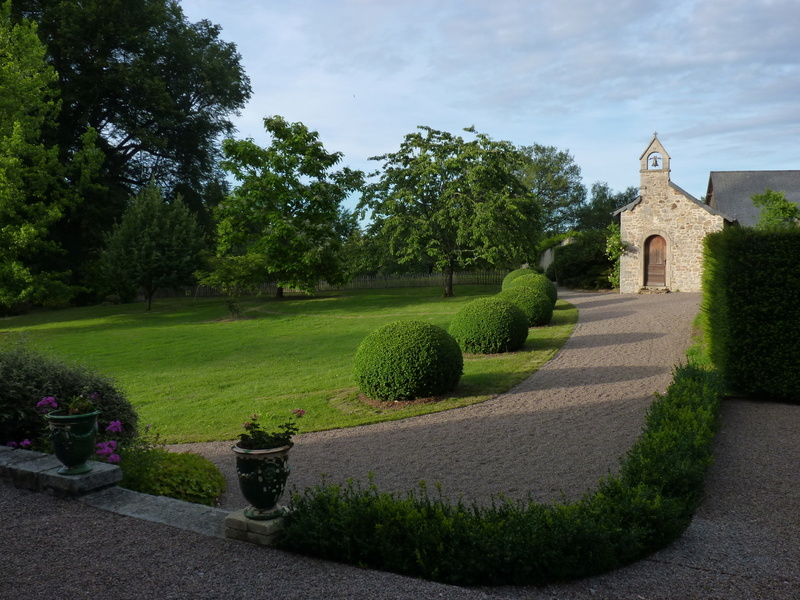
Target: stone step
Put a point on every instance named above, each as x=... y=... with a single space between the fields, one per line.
x=38 y=472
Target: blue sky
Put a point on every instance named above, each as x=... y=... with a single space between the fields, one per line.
x=718 y=79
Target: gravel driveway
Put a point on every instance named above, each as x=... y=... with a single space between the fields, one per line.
x=553 y=436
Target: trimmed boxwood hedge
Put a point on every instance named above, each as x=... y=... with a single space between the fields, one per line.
x=537 y=281
x=408 y=359
x=523 y=543
x=489 y=326
x=536 y=305
x=514 y=274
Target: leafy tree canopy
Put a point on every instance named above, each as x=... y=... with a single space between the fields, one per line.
x=286 y=206
x=776 y=211
x=35 y=189
x=596 y=214
x=453 y=202
x=554 y=179
x=157 y=89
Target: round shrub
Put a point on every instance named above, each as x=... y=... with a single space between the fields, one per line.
x=537 y=281
x=536 y=305
x=489 y=326
x=28 y=375
x=514 y=275
x=406 y=360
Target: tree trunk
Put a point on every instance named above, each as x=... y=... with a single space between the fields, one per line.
x=448 y=281
x=279 y=293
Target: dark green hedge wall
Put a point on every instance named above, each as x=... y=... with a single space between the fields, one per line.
x=751 y=295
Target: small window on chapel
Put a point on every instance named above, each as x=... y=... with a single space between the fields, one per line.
x=654 y=161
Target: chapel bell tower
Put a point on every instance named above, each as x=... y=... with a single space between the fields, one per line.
x=653 y=167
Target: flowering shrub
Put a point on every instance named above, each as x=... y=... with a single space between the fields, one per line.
x=82 y=404
x=28 y=375
x=47 y=404
x=23 y=444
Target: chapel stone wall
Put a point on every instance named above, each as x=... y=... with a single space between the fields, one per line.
x=665 y=211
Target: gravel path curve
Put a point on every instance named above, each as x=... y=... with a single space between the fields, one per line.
x=552 y=436
x=556 y=433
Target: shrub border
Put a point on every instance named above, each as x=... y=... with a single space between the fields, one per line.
x=647 y=506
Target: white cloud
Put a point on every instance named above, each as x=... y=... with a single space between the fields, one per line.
x=717 y=78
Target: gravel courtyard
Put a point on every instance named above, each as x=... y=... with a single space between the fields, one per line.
x=551 y=437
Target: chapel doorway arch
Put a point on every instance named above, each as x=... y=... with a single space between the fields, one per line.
x=655 y=261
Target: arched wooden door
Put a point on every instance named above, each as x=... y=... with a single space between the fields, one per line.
x=655 y=262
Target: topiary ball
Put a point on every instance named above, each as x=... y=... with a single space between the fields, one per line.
x=537 y=281
x=536 y=305
x=406 y=360
x=489 y=326
x=514 y=274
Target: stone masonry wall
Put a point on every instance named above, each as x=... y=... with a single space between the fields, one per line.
x=667 y=212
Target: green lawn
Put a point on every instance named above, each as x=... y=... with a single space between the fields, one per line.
x=196 y=375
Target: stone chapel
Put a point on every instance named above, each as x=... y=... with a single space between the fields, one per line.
x=664 y=226
x=664 y=229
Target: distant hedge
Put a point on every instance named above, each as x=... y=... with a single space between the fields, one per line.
x=751 y=295
x=524 y=543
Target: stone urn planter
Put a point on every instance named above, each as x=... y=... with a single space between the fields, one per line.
x=73 y=439
x=262 y=464
x=262 y=475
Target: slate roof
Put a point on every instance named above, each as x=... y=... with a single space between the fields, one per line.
x=730 y=191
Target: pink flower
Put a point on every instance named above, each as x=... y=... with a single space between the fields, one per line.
x=246 y=424
x=24 y=443
x=46 y=403
x=12 y=444
x=299 y=412
x=114 y=458
x=106 y=448
x=114 y=426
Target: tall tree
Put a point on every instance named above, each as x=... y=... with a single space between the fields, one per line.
x=34 y=186
x=456 y=203
x=552 y=176
x=596 y=214
x=157 y=89
x=286 y=206
x=155 y=245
